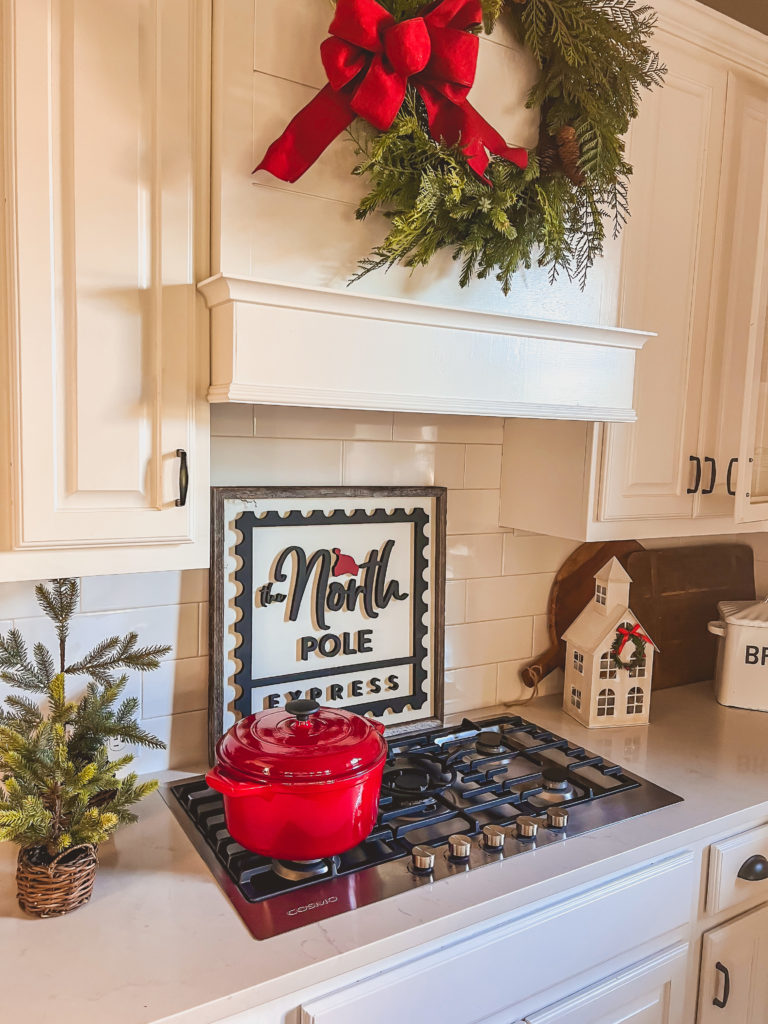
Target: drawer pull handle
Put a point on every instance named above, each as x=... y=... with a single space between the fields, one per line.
x=726 y=986
x=713 y=475
x=754 y=869
x=183 y=477
x=728 y=485
x=697 y=481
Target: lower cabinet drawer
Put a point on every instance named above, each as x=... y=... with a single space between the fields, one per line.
x=520 y=955
x=738 y=870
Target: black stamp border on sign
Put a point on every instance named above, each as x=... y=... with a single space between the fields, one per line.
x=424 y=639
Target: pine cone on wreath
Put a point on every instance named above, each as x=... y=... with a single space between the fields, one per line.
x=569 y=152
x=549 y=158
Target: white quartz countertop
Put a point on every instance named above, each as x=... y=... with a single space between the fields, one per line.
x=159 y=939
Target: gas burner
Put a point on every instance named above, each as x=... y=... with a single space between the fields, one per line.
x=490 y=742
x=557 y=788
x=416 y=779
x=301 y=870
x=411 y=783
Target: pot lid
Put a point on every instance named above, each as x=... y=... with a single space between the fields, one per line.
x=744 y=613
x=301 y=742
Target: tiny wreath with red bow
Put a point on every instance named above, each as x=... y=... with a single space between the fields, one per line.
x=399 y=74
x=638 y=642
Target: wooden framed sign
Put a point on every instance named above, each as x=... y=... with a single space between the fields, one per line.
x=336 y=594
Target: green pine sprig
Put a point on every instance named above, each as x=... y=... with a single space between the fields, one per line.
x=58 y=787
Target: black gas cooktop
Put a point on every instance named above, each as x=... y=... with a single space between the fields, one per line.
x=452 y=800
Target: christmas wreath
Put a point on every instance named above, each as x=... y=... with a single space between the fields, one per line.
x=398 y=77
x=639 y=640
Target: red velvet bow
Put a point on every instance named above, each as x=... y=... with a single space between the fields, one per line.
x=627 y=633
x=369 y=59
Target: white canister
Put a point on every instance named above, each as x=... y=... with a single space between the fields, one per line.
x=741 y=675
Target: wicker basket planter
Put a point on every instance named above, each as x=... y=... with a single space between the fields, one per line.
x=59 y=886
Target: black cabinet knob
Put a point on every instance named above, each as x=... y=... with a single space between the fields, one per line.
x=754 y=869
x=697 y=482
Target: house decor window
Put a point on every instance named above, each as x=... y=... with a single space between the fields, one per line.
x=637 y=669
x=578 y=662
x=576 y=697
x=607 y=667
x=635 y=701
x=606 y=704
x=601 y=594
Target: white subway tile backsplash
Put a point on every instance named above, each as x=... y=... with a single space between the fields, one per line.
x=535 y=553
x=403 y=465
x=271 y=462
x=540 y=633
x=186 y=739
x=167 y=624
x=143 y=590
x=481 y=643
x=482 y=466
x=512 y=688
x=470 y=688
x=334 y=424
x=474 y=512
x=455 y=602
x=462 y=429
x=471 y=556
x=176 y=687
x=508 y=596
x=231 y=420
x=17 y=600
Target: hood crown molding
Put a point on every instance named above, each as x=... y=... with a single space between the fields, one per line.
x=286 y=344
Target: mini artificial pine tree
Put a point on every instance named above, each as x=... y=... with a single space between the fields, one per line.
x=58 y=788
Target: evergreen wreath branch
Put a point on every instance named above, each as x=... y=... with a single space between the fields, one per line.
x=595 y=63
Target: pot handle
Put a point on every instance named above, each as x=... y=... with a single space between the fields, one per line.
x=378 y=726
x=717 y=627
x=223 y=783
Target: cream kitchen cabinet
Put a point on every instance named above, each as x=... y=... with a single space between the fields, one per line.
x=693 y=268
x=104 y=346
x=733 y=985
x=649 y=992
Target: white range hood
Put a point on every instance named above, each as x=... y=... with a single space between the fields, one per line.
x=287 y=344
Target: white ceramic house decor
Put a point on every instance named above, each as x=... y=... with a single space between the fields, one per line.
x=609 y=657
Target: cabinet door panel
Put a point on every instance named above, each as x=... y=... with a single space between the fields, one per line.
x=738 y=306
x=649 y=992
x=740 y=948
x=104 y=243
x=667 y=266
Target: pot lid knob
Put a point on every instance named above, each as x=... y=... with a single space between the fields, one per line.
x=302 y=709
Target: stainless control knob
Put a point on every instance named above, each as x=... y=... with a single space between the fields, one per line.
x=459 y=847
x=557 y=816
x=493 y=838
x=527 y=827
x=423 y=858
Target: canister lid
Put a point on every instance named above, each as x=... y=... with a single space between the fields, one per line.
x=301 y=742
x=744 y=613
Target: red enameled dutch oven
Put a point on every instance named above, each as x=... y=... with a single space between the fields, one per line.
x=300 y=782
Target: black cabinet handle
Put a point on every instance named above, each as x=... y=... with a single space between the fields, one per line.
x=713 y=477
x=754 y=869
x=183 y=477
x=728 y=486
x=726 y=986
x=697 y=481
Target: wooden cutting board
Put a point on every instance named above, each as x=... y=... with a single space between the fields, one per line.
x=674 y=594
